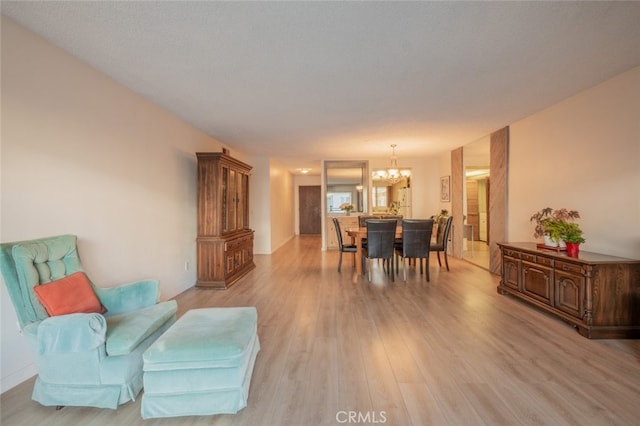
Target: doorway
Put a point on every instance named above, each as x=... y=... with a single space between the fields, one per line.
x=310 y=210
x=476 y=188
x=476 y=242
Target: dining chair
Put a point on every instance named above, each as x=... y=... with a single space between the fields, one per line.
x=416 y=242
x=398 y=219
x=343 y=248
x=362 y=223
x=442 y=239
x=362 y=220
x=380 y=238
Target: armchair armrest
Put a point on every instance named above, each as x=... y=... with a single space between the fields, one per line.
x=71 y=333
x=129 y=297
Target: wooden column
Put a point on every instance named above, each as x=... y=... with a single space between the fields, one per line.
x=457 y=196
x=497 y=217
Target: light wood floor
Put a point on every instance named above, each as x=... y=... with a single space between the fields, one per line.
x=448 y=352
x=477 y=252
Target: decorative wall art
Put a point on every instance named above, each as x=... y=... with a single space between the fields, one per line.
x=445 y=189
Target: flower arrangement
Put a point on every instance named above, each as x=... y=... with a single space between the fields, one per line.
x=346 y=207
x=552 y=223
x=394 y=207
x=443 y=213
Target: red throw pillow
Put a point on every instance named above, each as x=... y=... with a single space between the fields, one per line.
x=69 y=295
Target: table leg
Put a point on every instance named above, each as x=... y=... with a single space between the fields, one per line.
x=358 y=255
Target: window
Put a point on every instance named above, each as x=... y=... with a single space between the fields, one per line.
x=380 y=196
x=336 y=199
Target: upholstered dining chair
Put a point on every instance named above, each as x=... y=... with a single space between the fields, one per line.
x=442 y=239
x=416 y=242
x=87 y=341
x=343 y=248
x=380 y=239
x=398 y=219
x=362 y=223
x=362 y=220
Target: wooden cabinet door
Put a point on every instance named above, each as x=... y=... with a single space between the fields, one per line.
x=511 y=273
x=232 y=201
x=235 y=199
x=230 y=263
x=570 y=292
x=233 y=255
x=537 y=282
x=242 y=201
x=224 y=198
x=247 y=251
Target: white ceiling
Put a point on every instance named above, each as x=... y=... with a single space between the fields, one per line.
x=305 y=81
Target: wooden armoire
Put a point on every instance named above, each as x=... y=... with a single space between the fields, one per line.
x=225 y=241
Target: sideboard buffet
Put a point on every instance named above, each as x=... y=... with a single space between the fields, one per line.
x=224 y=241
x=597 y=293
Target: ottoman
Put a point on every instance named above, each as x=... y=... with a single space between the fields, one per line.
x=202 y=364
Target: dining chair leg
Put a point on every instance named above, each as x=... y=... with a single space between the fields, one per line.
x=340 y=261
x=446 y=260
x=392 y=271
x=439 y=263
x=369 y=268
x=404 y=268
x=428 y=277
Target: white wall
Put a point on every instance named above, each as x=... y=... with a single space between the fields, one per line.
x=84 y=155
x=583 y=154
x=444 y=167
x=272 y=201
x=281 y=202
x=259 y=210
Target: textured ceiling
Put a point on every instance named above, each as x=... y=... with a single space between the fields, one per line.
x=304 y=81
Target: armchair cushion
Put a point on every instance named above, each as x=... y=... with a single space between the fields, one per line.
x=71 y=333
x=126 y=331
x=41 y=261
x=69 y=295
x=128 y=297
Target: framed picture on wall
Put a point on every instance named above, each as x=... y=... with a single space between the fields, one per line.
x=445 y=189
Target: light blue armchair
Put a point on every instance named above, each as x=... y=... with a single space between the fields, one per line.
x=83 y=359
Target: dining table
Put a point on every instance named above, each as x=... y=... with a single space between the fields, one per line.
x=359 y=234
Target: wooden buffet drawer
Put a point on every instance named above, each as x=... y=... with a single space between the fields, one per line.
x=529 y=257
x=511 y=253
x=569 y=267
x=542 y=260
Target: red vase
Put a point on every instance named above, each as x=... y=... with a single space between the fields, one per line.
x=573 y=249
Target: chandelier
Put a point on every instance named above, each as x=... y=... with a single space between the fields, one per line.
x=393 y=174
